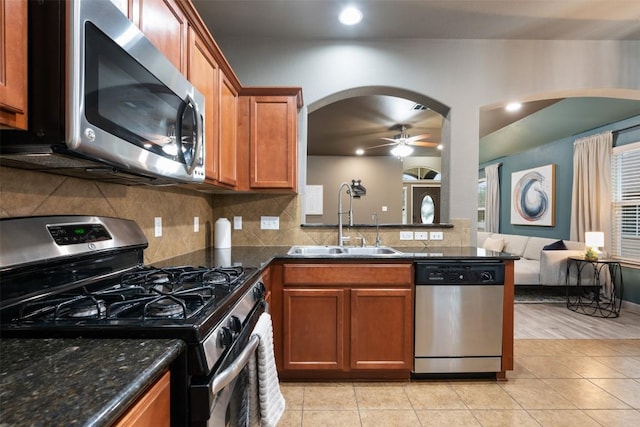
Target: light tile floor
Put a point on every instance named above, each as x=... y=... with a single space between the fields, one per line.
x=556 y=382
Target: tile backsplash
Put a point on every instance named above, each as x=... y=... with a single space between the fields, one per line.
x=26 y=193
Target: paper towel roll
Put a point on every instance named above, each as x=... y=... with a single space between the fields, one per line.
x=222 y=234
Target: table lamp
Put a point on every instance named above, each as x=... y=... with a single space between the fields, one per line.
x=593 y=240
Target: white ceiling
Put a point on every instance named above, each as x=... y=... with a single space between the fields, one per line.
x=341 y=127
x=431 y=19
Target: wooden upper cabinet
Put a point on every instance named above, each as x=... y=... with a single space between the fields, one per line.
x=166 y=26
x=273 y=138
x=13 y=64
x=228 y=153
x=204 y=74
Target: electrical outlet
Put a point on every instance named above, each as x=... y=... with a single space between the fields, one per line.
x=421 y=235
x=406 y=235
x=237 y=223
x=436 y=235
x=196 y=224
x=269 y=223
x=157 y=227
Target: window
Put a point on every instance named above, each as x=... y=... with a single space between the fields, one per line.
x=482 y=203
x=625 y=203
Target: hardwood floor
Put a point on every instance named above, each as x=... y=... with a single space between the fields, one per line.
x=556 y=321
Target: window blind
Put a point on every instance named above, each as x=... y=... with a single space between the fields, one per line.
x=625 y=185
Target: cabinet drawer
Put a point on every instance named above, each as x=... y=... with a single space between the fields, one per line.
x=348 y=274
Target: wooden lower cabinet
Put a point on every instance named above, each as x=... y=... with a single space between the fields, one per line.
x=381 y=329
x=346 y=321
x=314 y=328
x=152 y=409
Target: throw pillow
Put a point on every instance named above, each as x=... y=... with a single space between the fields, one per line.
x=493 y=244
x=555 y=246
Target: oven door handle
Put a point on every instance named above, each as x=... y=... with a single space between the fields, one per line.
x=225 y=377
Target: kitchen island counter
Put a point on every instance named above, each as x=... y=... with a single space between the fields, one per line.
x=88 y=382
x=261 y=256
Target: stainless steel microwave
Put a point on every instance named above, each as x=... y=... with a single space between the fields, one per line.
x=104 y=103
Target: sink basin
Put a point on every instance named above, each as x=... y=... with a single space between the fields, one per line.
x=342 y=250
x=370 y=250
x=315 y=250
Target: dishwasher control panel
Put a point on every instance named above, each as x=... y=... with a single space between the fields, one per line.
x=459 y=273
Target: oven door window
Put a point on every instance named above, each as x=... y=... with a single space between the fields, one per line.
x=125 y=99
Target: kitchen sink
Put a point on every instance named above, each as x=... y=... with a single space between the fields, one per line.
x=370 y=250
x=315 y=250
x=342 y=250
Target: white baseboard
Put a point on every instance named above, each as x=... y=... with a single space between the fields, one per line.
x=630 y=306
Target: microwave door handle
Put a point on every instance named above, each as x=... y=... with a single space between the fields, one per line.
x=223 y=379
x=198 y=142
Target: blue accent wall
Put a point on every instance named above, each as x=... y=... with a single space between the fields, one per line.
x=560 y=153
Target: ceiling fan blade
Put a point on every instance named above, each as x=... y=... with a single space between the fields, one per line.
x=418 y=137
x=423 y=144
x=395 y=141
x=381 y=145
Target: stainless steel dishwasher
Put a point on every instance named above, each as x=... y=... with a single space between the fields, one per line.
x=458 y=317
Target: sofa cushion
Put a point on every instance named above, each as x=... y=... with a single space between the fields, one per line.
x=482 y=236
x=493 y=244
x=535 y=245
x=513 y=243
x=555 y=246
x=526 y=272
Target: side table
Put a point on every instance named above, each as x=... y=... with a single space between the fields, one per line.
x=599 y=298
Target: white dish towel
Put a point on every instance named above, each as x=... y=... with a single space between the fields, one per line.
x=264 y=383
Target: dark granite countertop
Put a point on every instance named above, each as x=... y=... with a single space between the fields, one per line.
x=260 y=256
x=83 y=382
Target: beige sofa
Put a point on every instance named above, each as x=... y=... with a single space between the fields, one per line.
x=536 y=266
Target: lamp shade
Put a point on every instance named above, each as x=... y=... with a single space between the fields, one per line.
x=594 y=239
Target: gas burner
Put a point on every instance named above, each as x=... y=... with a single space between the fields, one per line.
x=85 y=307
x=166 y=307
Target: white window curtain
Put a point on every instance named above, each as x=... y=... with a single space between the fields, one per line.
x=492 y=212
x=591 y=195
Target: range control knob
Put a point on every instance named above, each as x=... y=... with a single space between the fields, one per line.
x=235 y=324
x=259 y=291
x=225 y=337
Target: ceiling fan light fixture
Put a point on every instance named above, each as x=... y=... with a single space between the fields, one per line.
x=402 y=150
x=350 y=16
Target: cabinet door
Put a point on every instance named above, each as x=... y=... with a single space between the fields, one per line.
x=273 y=142
x=13 y=64
x=165 y=25
x=153 y=408
x=228 y=157
x=203 y=74
x=313 y=329
x=381 y=329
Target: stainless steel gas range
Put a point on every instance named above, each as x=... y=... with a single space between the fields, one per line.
x=72 y=276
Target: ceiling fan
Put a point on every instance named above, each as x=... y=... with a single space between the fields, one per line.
x=402 y=143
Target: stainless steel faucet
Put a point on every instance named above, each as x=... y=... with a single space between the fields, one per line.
x=354 y=190
x=342 y=238
x=374 y=216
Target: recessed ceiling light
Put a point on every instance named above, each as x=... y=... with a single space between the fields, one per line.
x=359 y=151
x=350 y=16
x=513 y=106
x=439 y=147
